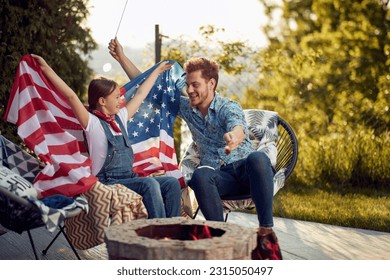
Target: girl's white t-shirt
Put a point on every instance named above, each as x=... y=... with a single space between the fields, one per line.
x=97 y=140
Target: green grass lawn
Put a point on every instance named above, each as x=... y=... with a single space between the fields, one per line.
x=358 y=208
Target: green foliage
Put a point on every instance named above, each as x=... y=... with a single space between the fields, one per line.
x=345 y=159
x=229 y=55
x=359 y=158
x=326 y=72
x=53 y=29
x=355 y=207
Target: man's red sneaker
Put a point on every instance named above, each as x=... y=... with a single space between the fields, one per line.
x=267 y=248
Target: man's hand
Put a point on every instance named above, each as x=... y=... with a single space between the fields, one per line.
x=233 y=138
x=116 y=49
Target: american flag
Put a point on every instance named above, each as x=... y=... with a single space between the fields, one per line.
x=48 y=126
x=151 y=128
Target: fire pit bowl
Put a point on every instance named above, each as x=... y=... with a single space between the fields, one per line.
x=179 y=239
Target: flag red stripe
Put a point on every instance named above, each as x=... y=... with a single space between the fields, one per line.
x=167 y=150
x=66 y=189
x=30 y=109
x=146 y=154
x=63 y=170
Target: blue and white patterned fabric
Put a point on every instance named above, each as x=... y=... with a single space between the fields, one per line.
x=54 y=217
x=263 y=127
x=17 y=160
x=16 y=183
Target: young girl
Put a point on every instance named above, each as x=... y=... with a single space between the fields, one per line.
x=109 y=147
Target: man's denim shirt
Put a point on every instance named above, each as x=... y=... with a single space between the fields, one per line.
x=223 y=115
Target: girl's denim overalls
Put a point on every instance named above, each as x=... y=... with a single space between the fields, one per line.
x=160 y=195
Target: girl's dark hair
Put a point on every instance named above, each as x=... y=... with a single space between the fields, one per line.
x=209 y=68
x=97 y=88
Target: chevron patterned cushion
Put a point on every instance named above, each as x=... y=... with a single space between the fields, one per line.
x=107 y=205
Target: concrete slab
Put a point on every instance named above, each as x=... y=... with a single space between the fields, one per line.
x=299 y=240
x=315 y=241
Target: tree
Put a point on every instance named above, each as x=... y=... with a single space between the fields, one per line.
x=54 y=29
x=326 y=70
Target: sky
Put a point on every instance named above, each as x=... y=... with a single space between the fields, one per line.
x=241 y=20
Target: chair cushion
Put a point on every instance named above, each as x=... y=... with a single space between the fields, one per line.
x=263 y=126
x=18 y=161
x=16 y=183
x=54 y=211
x=189 y=162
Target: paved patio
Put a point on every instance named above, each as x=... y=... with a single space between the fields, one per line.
x=299 y=240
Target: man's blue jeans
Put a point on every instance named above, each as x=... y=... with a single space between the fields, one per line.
x=252 y=175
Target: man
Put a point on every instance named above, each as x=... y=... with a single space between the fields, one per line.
x=230 y=165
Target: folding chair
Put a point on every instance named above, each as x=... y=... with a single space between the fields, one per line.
x=20 y=214
x=286 y=159
x=17 y=213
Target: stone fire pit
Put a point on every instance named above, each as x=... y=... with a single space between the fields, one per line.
x=171 y=239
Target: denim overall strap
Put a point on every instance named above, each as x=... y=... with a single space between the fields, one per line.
x=120 y=155
x=122 y=127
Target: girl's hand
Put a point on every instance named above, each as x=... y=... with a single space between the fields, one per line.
x=42 y=63
x=40 y=60
x=162 y=67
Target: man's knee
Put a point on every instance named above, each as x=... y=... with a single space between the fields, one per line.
x=201 y=178
x=259 y=158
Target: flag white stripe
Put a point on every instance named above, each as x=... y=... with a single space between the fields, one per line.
x=34 y=123
x=69 y=159
x=175 y=173
x=151 y=160
x=26 y=95
x=164 y=158
x=26 y=69
x=59 y=138
x=145 y=145
x=153 y=142
x=59 y=113
x=75 y=175
x=164 y=136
